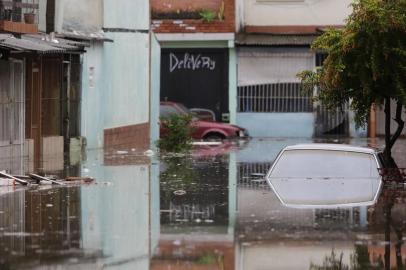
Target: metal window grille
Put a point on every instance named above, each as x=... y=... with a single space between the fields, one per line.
x=331 y=122
x=11 y=116
x=246 y=175
x=275 y=97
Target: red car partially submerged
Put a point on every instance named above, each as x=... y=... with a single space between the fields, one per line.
x=202 y=130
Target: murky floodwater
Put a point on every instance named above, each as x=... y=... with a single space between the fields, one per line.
x=210 y=210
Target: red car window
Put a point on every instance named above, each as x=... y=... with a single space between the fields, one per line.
x=166 y=111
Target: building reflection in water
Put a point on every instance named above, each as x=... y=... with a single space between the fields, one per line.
x=197 y=214
x=105 y=225
x=40 y=226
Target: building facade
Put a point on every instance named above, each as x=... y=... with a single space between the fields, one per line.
x=116 y=70
x=198 y=58
x=40 y=89
x=273 y=46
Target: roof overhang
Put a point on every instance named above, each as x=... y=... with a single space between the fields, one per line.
x=84 y=36
x=38 y=43
x=195 y=37
x=289 y=29
x=274 y=40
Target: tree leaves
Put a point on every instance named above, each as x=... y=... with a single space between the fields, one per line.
x=366 y=59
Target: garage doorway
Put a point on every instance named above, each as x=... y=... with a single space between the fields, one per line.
x=198 y=78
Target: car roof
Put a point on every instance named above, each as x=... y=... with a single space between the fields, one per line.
x=168 y=103
x=331 y=147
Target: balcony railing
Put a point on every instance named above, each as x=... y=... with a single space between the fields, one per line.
x=19 y=11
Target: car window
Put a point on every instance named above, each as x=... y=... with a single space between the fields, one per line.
x=323 y=163
x=183 y=108
x=166 y=111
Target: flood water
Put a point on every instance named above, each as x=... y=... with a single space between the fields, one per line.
x=208 y=210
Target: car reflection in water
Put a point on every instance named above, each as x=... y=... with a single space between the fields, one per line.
x=328 y=213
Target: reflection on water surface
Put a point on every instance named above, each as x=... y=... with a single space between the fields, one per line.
x=193 y=212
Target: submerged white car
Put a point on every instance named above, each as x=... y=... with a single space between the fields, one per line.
x=326 y=176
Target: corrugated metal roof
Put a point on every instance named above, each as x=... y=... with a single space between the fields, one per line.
x=81 y=35
x=53 y=41
x=274 y=40
x=37 y=43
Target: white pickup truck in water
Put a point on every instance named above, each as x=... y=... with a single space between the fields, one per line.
x=326 y=176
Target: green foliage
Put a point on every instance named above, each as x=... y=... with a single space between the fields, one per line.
x=208 y=259
x=179 y=173
x=332 y=262
x=178 y=137
x=359 y=260
x=366 y=61
x=208 y=15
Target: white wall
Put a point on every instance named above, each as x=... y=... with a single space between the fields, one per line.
x=272 y=65
x=305 y=12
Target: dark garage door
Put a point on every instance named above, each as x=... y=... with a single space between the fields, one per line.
x=198 y=78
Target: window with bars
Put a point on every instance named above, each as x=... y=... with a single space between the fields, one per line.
x=275 y=97
x=320 y=58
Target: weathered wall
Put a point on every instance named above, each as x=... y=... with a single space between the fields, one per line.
x=127 y=88
x=127 y=65
x=79 y=15
x=155 y=88
x=115 y=74
x=92 y=95
x=305 y=12
x=127 y=14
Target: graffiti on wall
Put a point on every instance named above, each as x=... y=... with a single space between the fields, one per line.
x=190 y=62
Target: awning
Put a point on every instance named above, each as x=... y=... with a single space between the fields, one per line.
x=37 y=43
x=274 y=40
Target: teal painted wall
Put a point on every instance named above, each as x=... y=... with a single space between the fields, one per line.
x=116 y=75
x=92 y=122
x=232 y=85
x=155 y=89
x=126 y=69
x=294 y=125
x=126 y=62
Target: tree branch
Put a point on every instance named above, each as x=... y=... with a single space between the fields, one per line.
x=400 y=122
x=387 y=127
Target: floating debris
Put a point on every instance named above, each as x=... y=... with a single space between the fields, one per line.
x=179 y=192
x=80 y=179
x=7 y=182
x=149 y=153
